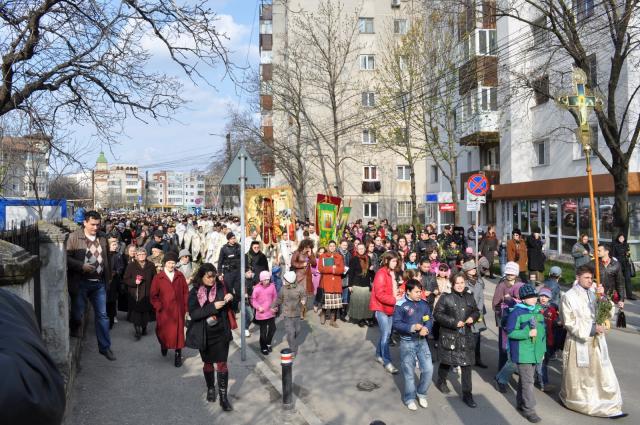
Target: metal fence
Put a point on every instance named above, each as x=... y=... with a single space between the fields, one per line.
x=27 y=236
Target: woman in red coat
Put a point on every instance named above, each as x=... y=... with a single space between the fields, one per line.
x=382 y=302
x=331 y=268
x=169 y=295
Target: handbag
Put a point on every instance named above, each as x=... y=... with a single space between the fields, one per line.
x=632 y=269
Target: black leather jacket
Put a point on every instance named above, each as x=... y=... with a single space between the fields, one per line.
x=612 y=278
x=457 y=345
x=229 y=259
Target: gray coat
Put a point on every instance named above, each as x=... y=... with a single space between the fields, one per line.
x=578 y=254
x=290 y=300
x=477 y=290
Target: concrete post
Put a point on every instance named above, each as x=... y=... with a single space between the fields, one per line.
x=54 y=293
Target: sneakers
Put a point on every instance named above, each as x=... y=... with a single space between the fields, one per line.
x=115 y=320
x=422 y=401
x=391 y=369
x=108 y=354
x=380 y=360
x=247 y=333
x=412 y=406
x=265 y=351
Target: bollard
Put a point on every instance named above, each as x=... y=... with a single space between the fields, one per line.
x=286 y=360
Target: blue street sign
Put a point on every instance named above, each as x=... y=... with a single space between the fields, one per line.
x=197 y=210
x=431 y=198
x=140 y=199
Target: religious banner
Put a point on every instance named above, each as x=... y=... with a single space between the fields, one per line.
x=270 y=212
x=343 y=218
x=326 y=216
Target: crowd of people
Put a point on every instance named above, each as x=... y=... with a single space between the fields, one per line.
x=424 y=290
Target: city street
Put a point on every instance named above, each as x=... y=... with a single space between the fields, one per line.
x=143 y=386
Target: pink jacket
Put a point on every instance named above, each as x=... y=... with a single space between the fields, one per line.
x=263 y=297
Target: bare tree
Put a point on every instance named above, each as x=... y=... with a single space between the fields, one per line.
x=86 y=61
x=399 y=76
x=326 y=48
x=573 y=30
x=436 y=100
x=65 y=187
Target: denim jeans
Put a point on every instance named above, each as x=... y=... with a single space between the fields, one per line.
x=504 y=374
x=97 y=294
x=382 y=349
x=345 y=295
x=410 y=350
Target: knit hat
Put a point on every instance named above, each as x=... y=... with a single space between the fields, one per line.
x=512 y=268
x=230 y=235
x=469 y=265
x=184 y=253
x=289 y=276
x=265 y=275
x=555 y=271
x=545 y=292
x=170 y=256
x=527 y=291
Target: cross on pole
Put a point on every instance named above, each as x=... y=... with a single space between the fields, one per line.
x=582 y=104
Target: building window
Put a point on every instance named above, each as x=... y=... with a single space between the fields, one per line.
x=434 y=174
x=489 y=98
x=541 y=148
x=367 y=62
x=402 y=100
x=370 y=173
x=365 y=25
x=368 y=137
x=368 y=99
x=541 y=90
x=399 y=26
x=487 y=42
x=404 y=208
x=370 y=210
x=266 y=56
x=592 y=62
x=402 y=63
x=266 y=27
x=583 y=9
x=403 y=172
x=540 y=34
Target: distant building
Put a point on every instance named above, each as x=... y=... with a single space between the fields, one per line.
x=24 y=166
x=117 y=185
x=173 y=191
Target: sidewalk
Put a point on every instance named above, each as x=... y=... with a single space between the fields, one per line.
x=142 y=387
x=331 y=362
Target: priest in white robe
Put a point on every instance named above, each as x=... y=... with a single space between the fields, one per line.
x=589 y=383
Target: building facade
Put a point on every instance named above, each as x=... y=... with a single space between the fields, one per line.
x=375 y=181
x=24 y=167
x=176 y=191
x=117 y=185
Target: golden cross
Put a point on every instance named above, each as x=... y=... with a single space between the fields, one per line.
x=581 y=103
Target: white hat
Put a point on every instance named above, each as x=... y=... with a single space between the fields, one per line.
x=512 y=268
x=289 y=276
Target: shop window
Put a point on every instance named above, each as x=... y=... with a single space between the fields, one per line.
x=569 y=219
x=605 y=217
x=534 y=217
x=584 y=217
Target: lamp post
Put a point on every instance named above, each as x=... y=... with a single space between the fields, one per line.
x=581 y=104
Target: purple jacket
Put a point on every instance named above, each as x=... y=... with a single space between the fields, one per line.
x=263 y=297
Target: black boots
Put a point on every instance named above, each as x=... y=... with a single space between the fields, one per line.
x=163 y=351
x=178 y=360
x=442 y=386
x=210 y=378
x=467 y=398
x=138 y=332
x=223 y=382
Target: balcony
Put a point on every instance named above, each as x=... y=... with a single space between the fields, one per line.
x=481 y=129
x=371 y=187
x=479 y=71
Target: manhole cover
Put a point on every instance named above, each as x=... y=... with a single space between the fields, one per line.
x=367 y=386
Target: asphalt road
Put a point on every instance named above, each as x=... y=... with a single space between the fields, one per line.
x=143 y=387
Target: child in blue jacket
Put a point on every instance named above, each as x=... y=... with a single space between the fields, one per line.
x=413 y=322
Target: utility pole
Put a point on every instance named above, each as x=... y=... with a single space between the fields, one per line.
x=93 y=189
x=146 y=190
x=229 y=158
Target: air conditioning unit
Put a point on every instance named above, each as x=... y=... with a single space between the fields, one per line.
x=395 y=3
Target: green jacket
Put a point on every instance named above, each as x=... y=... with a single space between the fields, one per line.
x=523 y=348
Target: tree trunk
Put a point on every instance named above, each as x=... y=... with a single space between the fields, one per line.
x=621 y=199
x=414 y=207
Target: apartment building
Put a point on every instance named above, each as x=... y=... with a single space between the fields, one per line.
x=24 y=167
x=117 y=185
x=173 y=191
x=376 y=182
x=542 y=176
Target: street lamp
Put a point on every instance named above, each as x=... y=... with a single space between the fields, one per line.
x=582 y=104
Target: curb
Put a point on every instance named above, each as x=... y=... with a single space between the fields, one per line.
x=276 y=382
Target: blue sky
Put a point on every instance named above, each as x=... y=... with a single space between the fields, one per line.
x=187 y=136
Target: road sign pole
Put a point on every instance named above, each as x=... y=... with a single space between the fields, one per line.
x=477 y=234
x=243 y=283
